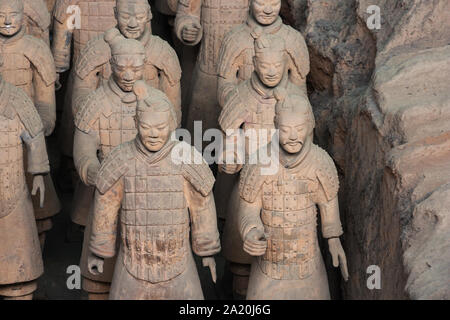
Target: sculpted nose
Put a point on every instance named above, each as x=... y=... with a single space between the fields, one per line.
x=128 y=75
x=268 y=9
x=132 y=22
x=8 y=19
x=293 y=136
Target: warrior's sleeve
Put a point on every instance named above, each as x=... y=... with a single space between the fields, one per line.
x=250 y=204
x=327 y=196
x=85 y=147
x=231 y=58
x=165 y=59
x=45 y=102
x=105 y=220
x=62 y=34
x=32 y=135
x=199 y=182
x=188 y=12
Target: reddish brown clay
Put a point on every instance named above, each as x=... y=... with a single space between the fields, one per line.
x=277 y=212
x=28 y=64
x=76 y=22
x=251 y=106
x=105 y=119
x=237 y=51
x=207 y=21
x=159 y=202
x=37 y=19
x=162 y=71
x=20 y=254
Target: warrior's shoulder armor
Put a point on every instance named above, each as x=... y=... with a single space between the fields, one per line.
x=115 y=166
x=95 y=54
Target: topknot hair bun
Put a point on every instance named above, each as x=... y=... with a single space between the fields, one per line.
x=140 y=90
x=112 y=35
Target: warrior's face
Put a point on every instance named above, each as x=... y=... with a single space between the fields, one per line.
x=154 y=129
x=270 y=66
x=127 y=69
x=11 y=17
x=266 y=11
x=133 y=17
x=294 y=128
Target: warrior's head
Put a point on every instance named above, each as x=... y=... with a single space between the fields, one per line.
x=295 y=121
x=155 y=117
x=11 y=17
x=127 y=59
x=270 y=59
x=133 y=17
x=265 y=11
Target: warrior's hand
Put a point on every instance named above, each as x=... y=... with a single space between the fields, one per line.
x=58 y=84
x=92 y=173
x=255 y=243
x=230 y=168
x=190 y=33
x=338 y=255
x=38 y=184
x=211 y=264
x=95 y=264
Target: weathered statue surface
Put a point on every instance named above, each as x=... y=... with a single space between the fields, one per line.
x=278 y=212
x=20 y=253
x=28 y=64
x=162 y=71
x=160 y=206
x=206 y=22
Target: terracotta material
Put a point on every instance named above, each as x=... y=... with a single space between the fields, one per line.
x=237 y=51
x=278 y=214
x=206 y=21
x=95 y=18
x=50 y=6
x=20 y=253
x=37 y=19
x=28 y=64
x=158 y=202
x=251 y=106
x=105 y=119
x=162 y=71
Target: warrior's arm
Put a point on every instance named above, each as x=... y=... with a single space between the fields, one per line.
x=249 y=216
x=105 y=219
x=85 y=157
x=173 y=92
x=82 y=87
x=37 y=158
x=62 y=38
x=188 y=14
x=228 y=79
x=202 y=209
x=45 y=102
x=329 y=215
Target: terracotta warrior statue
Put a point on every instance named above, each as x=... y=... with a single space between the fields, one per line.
x=20 y=254
x=161 y=206
x=28 y=64
x=75 y=22
x=162 y=71
x=278 y=212
x=105 y=119
x=37 y=19
x=207 y=21
x=237 y=51
x=250 y=107
x=78 y=21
